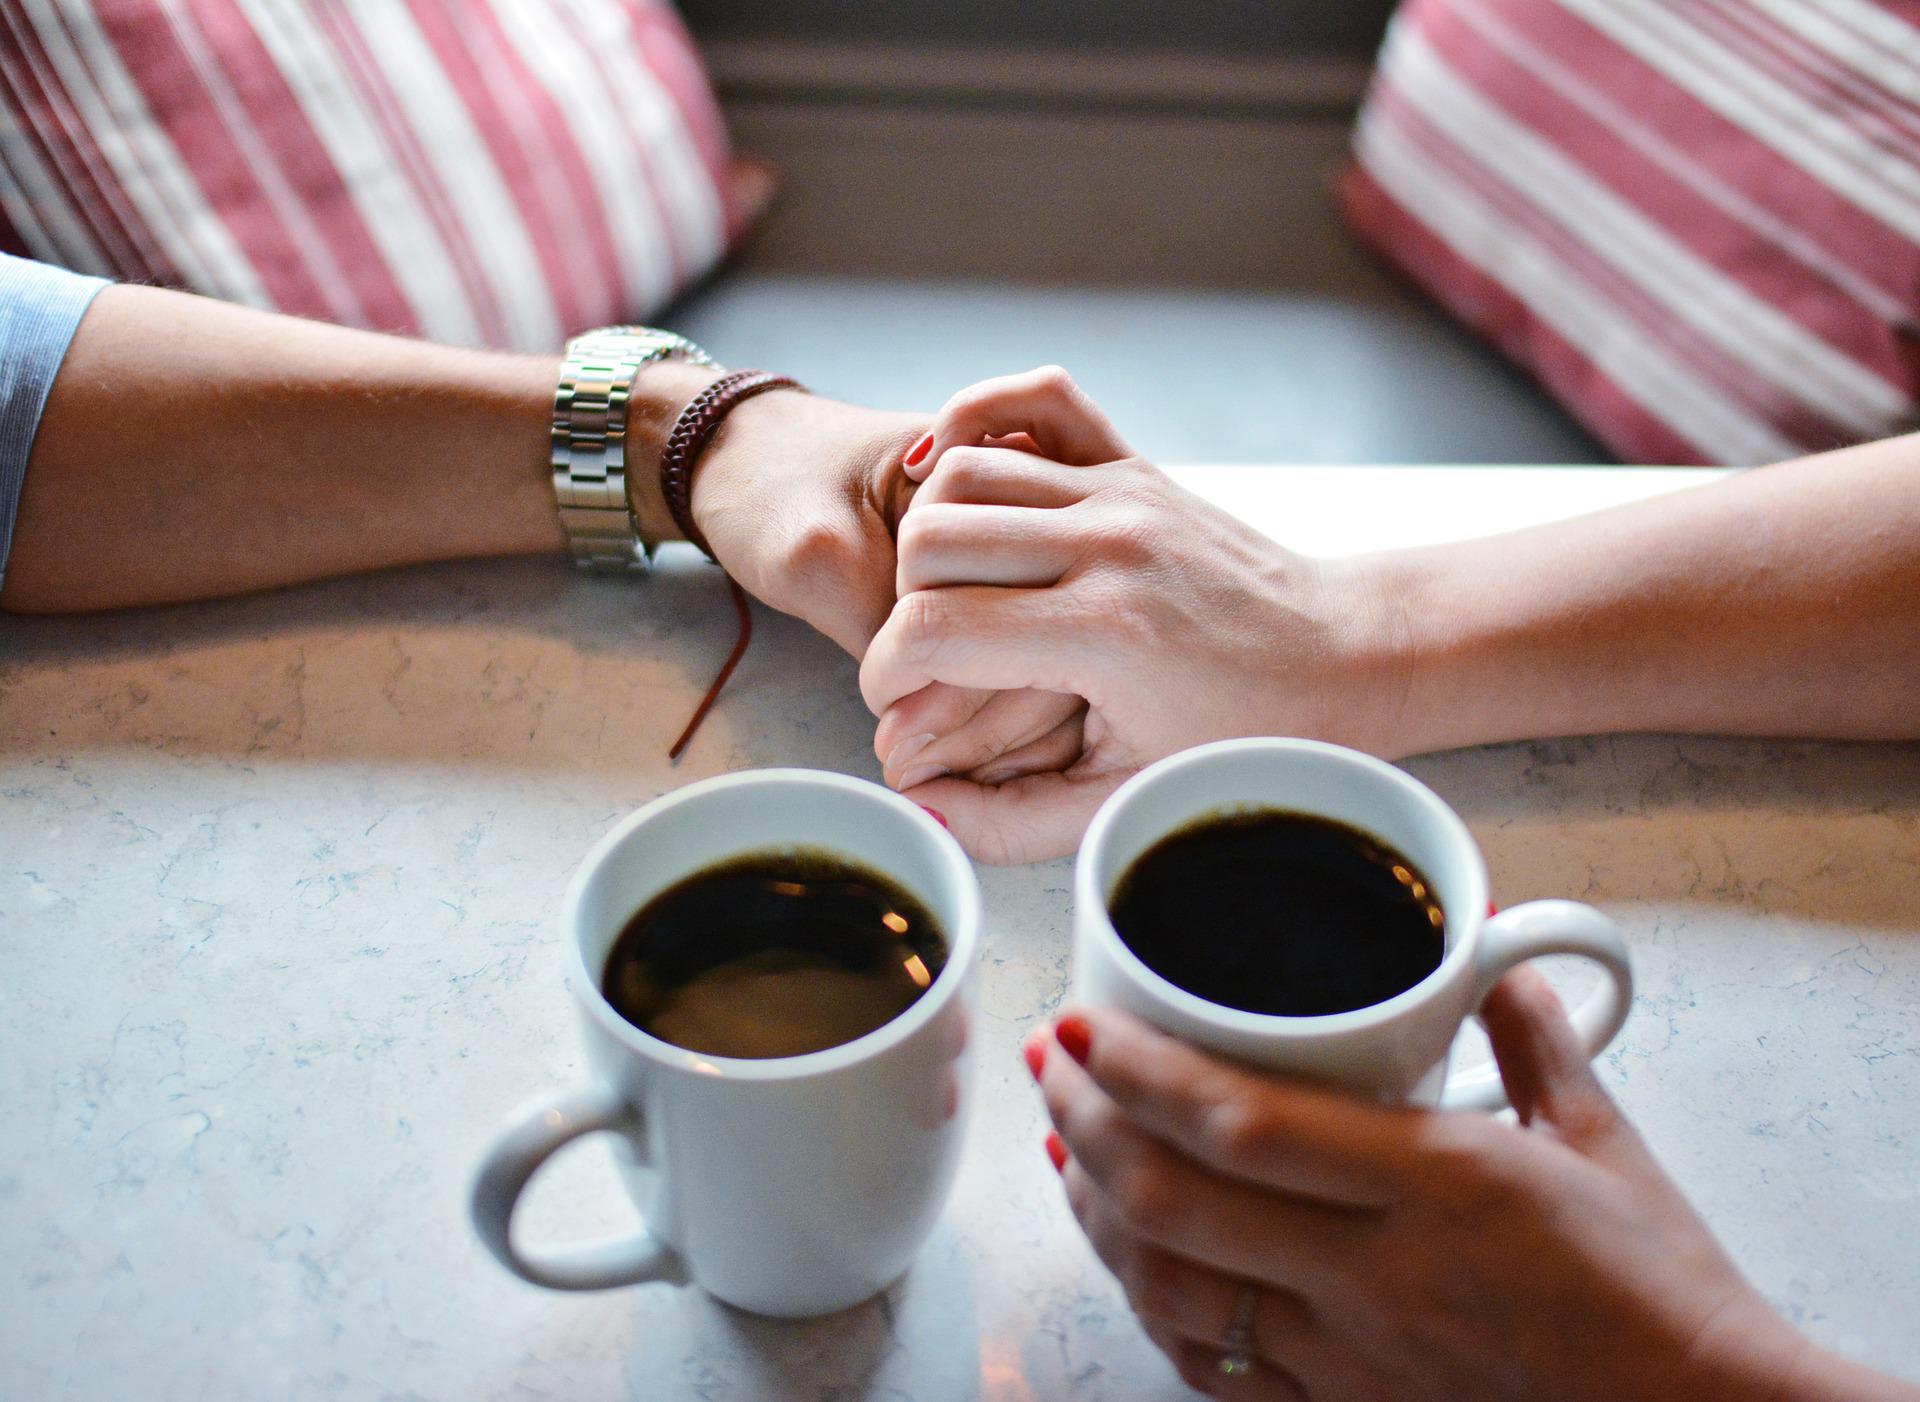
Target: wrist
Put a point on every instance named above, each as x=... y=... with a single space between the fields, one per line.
x=1464 y=662
x=660 y=391
x=1367 y=683
x=854 y=449
x=502 y=436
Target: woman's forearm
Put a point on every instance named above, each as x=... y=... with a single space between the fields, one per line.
x=191 y=448
x=1783 y=601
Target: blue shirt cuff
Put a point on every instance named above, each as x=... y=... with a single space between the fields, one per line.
x=40 y=308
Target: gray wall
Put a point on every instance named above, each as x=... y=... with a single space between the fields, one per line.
x=1344 y=27
x=1168 y=167
x=1066 y=141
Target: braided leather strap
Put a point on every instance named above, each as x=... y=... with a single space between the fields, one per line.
x=691 y=433
x=694 y=429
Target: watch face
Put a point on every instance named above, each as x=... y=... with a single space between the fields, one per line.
x=634 y=345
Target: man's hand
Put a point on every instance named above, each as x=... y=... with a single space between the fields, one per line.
x=800 y=498
x=248 y=451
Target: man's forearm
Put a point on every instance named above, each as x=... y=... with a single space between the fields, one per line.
x=190 y=449
x=1784 y=601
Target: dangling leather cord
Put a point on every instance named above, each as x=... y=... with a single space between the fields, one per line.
x=691 y=433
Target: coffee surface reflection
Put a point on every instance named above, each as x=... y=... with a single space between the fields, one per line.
x=774 y=953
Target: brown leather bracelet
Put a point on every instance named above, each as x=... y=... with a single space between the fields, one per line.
x=690 y=434
x=694 y=429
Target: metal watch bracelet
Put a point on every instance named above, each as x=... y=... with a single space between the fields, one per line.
x=589 y=442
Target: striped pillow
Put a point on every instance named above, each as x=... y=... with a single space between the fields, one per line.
x=484 y=172
x=1697 y=221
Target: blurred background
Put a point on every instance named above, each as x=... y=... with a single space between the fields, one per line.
x=1694 y=223
x=1141 y=192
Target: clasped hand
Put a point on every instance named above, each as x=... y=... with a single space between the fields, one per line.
x=1066 y=614
x=1054 y=613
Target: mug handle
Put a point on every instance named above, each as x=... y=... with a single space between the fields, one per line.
x=1526 y=932
x=524 y=1145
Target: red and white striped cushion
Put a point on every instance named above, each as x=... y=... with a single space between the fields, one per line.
x=485 y=172
x=1697 y=221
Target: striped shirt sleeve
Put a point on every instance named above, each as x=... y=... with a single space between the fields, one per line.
x=40 y=308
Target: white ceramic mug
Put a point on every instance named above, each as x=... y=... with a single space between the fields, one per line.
x=1396 y=1050
x=790 y=1186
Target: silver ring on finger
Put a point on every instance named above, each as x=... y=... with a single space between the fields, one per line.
x=1236 y=1349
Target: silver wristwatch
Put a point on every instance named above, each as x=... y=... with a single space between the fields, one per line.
x=590 y=441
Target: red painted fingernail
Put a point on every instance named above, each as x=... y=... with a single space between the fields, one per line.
x=919 y=451
x=1035 y=1051
x=935 y=814
x=1057 y=1151
x=1492 y=910
x=1074 y=1036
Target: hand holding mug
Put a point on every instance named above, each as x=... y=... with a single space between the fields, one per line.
x=1366 y=1251
x=1322 y=1232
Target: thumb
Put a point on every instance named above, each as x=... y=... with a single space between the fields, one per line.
x=1547 y=1073
x=1044 y=406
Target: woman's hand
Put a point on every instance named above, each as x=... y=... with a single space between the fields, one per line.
x=1096 y=578
x=800 y=498
x=1406 y=1254
x=990 y=736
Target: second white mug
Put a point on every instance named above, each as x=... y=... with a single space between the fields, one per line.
x=1396 y=1050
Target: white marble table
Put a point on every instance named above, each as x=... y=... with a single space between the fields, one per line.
x=277 y=908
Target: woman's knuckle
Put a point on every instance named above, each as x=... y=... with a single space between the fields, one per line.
x=919 y=617
x=1472 y=1170
x=1133 y=538
x=922 y=530
x=972 y=402
x=1104 y=609
x=1240 y=1130
x=910 y=538
x=1138 y=488
x=1156 y=1285
x=960 y=470
x=1450 y=1143
x=1054 y=380
x=1149 y=1196
x=1585 y=1118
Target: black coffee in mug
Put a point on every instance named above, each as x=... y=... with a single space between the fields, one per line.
x=1277 y=912
x=774 y=953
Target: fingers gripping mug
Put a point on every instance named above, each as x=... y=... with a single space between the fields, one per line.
x=1396 y=1049
x=790 y=1185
